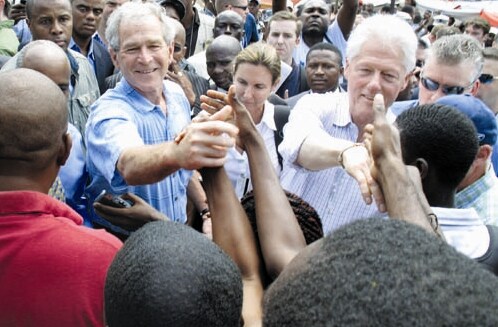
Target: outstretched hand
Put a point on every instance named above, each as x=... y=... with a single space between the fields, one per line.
x=381 y=138
x=215 y=102
x=131 y=218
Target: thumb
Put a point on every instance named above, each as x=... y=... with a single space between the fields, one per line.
x=286 y=94
x=232 y=99
x=379 y=108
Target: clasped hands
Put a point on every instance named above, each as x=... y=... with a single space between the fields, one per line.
x=364 y=163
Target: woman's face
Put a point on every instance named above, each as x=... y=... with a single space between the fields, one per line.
x=253 y=86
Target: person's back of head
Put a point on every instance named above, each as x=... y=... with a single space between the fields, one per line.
x=167 y=274
x=443 y=137
x=382 y=273
x=33 y=130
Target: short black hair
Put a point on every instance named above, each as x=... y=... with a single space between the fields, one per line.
x=308 y=219
x=443 y=136
x=380 y=272
x=325 y=46
x=167 y=274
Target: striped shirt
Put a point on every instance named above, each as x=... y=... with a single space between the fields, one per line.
x=482 y=195
x=332 y=192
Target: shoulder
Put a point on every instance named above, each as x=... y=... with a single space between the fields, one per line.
x=206 y=20
x=78 y=56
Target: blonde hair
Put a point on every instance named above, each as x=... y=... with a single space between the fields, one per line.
x=260 y=54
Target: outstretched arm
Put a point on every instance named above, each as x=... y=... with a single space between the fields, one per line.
x=400 y=184
x=280 y=236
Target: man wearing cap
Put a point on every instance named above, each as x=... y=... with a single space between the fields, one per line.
x=479 y=188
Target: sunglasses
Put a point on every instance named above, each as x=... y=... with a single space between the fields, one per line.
x=431 y=85
x=240 y=7
x=487 y=78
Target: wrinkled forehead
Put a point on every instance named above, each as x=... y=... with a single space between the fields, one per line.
x=313 y=4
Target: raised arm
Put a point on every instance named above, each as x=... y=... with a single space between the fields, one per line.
x=402 y=188
x=280 y=236
x=346 y=16
x=233 y=233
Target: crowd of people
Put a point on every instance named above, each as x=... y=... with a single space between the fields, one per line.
x=175 y=163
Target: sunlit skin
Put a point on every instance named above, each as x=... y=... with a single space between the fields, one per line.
x=143 y=57
x=375 y=70
x=52 y=20
x=462 y=74
x=253 y=86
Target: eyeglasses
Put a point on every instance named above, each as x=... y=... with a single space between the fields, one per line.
x=487 y=78
x=434 y=86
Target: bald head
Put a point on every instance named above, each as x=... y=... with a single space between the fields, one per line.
x=229 y=23
x=179 y=42
x=220 y=56
x=49 y=59
x=226 y=42
x=32 y=129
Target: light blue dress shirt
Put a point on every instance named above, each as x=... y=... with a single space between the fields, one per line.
x=123 y=118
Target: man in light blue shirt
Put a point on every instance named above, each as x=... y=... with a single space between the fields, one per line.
x=139 y=136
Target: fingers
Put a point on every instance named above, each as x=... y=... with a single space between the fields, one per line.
x=378 y=195
x=217 y=127
x=379 y=109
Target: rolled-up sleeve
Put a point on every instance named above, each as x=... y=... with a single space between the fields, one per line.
x=305 y=118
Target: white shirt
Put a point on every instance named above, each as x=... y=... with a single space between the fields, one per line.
x=464 y=230
x=332 y=192
x=334 y=34
x=237 y=164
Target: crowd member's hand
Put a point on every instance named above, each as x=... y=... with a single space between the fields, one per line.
x=180 y=78
x=241 y=116
x=381 y=138
x=357 y=163
x=17 y=12
x=131 y=218
x=205 y=143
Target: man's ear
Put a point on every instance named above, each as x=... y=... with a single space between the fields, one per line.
x=114 y=57
x=484 y=152
x=346 y=69
x=65 y=149
x=422 y=166
x=475 y=87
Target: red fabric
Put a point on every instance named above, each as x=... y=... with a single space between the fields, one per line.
x=52 y=269
x=491 y=17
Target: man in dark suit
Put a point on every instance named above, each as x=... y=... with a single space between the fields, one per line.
x=86 y=18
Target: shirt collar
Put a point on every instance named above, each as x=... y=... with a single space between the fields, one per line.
x=75 y=47
x=268 y=116
x=20 y=202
